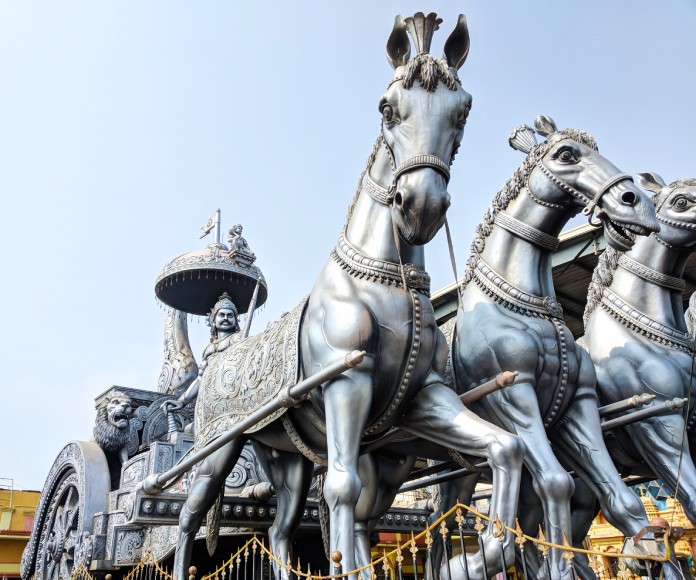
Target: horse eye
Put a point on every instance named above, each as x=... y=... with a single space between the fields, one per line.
x=566 y=155
x=387 y=113
x=680 y=202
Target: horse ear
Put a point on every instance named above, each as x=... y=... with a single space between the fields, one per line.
x=651 y=181
x=457 y=45
x=398 y=45
x=545 y=125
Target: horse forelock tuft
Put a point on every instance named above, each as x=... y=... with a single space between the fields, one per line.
x=428 y=71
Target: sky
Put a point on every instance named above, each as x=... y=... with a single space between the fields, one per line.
x=123 y=126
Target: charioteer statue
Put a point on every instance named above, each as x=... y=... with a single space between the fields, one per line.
x=223 y=320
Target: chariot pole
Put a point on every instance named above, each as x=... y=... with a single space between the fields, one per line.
x=652 y=411
x=156 y=483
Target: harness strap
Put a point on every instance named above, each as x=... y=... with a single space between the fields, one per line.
x=423 y=160
x=609 y=183
x=590 y=203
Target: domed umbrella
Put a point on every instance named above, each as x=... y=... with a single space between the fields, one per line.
x=195 y=281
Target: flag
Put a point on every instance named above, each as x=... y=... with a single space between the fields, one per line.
x=208 y=226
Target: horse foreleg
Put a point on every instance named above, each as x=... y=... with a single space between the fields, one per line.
x=517 y=410
x=579 y=437
x=210 y=477
x=661 y=442
x=347 y=402
x=438 y=415
x=291 y=477
x=451 y=492
x=370 y=487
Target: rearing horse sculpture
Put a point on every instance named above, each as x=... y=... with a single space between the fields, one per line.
x=637 y=337
x=646 y=347
x=509 y=319
x=372 y=295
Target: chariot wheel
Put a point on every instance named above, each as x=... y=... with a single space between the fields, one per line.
x=77 y=487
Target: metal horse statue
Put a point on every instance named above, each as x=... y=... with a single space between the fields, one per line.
x=636 y=334
x=372 y=295
x=509 y=318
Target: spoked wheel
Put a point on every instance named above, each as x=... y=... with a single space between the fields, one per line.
x=77 y=487
x=62 y=530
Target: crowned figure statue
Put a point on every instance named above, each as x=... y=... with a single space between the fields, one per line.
x=223 y=320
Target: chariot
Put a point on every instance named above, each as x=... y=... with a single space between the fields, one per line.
x=393 y=384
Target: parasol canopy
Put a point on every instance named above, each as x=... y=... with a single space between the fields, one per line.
x=194 y=281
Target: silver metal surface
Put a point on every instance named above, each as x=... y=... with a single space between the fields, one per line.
x=76 y=488
x=645 y=346
x=509 y=319
x=372 y=296
x=158 y=483
x=193 y=282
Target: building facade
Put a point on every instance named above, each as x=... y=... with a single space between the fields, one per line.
x=16 y=519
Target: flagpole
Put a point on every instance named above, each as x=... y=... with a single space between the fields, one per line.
x=217 y=226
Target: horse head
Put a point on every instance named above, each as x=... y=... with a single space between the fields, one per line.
x=569 y=172
x=424 y=111
x=675 y=205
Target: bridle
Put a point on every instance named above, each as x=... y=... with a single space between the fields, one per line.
x=414 y=162
x=590 y=202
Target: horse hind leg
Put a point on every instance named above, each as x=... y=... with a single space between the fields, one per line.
x=210 y=477
x=291 y=476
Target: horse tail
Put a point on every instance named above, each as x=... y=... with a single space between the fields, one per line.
x=212 y=523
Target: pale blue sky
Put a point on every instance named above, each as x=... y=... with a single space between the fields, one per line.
x=124 y=125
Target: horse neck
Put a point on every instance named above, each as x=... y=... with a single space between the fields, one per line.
x=659 y=303
x=521 y=262
x=370 y=227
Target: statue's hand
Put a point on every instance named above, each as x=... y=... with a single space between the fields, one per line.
x=171 y=405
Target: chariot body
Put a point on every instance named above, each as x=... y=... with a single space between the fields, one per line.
x=94 y=515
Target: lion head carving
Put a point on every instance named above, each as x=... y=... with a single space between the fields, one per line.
x=111 y=427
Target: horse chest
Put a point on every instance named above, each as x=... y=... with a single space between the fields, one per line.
x=492 y=338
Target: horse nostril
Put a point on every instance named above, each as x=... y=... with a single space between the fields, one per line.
x=629 y=198
x=398 y=199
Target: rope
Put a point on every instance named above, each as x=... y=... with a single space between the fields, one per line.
x=384 y=560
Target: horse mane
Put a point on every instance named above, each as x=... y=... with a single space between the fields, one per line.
x=602 y=277
x=370 y=160
x=511 y=190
